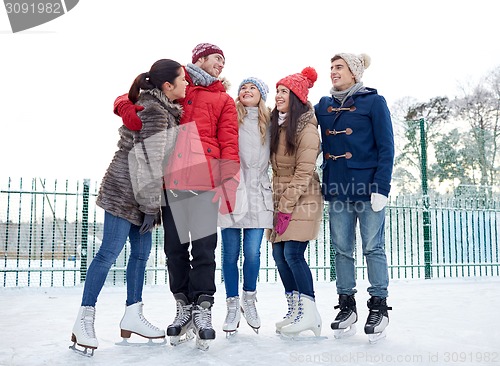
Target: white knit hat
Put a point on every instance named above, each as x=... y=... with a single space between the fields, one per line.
x=357 y=63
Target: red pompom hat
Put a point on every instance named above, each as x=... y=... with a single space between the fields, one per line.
x=300 y=83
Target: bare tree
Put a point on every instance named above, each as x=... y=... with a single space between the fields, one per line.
x=480 y=108
x=408 y=162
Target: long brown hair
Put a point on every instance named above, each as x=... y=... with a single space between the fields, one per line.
x=295 y=110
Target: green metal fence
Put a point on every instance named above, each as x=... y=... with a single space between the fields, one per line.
x=51 y=230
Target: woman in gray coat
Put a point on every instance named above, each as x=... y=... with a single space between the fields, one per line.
x=254 y=206
x=130 y=195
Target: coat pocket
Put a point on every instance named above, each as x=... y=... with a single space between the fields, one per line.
x=267 y=195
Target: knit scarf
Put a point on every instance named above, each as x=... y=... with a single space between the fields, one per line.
x=342 y=95
x=199 y=76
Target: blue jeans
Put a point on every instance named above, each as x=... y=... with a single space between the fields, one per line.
x=292 y=266
x=343 y=218
x=116 y=231
x=231 y=240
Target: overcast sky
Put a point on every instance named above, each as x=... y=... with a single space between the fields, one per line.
x=59 y=80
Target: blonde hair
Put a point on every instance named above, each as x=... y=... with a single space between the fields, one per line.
x=264 y=117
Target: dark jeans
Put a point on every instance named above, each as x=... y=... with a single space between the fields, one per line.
x=190 y=218
x=292 y=266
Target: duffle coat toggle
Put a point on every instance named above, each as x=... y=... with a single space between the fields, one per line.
x=331 y=109
x=347 y=131
x=347 y=155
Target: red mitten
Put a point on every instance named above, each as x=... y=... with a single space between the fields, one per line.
x=282 y=222
x=227 y=193
x=127 y=110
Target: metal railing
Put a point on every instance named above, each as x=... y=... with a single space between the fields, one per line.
x=50 y=231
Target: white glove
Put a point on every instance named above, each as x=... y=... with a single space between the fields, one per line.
x=379 y=201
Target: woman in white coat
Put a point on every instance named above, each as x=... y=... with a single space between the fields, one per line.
x=254 y=206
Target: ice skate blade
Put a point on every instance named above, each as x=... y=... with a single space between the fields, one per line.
x=376 y=337
x=344 y=333
x=299 y=337
x=186 y=337
x=150 y=342
x=230 y=333
x=256 y=329
x=203 y=344
x=84 y=351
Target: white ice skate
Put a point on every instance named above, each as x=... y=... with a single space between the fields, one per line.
x=249 y=310
x=133 y=321
x=84 y=333
x=307 y=318
x=233 y=316
x=292 y=300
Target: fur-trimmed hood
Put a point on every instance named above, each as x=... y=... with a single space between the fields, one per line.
x=174 y=108
x=307 y=117
x=225 y=82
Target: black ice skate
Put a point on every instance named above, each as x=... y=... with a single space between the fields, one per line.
x=202 y=321
x=180 y=330
x=343 y=325
x=378 y=318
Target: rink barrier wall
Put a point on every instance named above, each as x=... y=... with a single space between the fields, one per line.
x=51 y=229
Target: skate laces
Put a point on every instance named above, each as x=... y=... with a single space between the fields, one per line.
x=345 y=311
x=300 y=311
x=374 y=316
x=232 y=309
x=289 y=299
x=377 y=312
x=249 y=307
x=88 y=317
x=147 y=323
x=347 y=306
x=183 y=314
x=204 y=318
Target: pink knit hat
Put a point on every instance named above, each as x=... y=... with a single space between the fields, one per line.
x=205 y=49
x=300 y=83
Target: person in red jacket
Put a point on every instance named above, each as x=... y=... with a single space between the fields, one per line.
x=201 y=177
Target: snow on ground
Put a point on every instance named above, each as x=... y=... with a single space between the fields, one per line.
x=433 y=322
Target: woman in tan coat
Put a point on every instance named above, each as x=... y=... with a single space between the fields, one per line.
x=298 y=203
